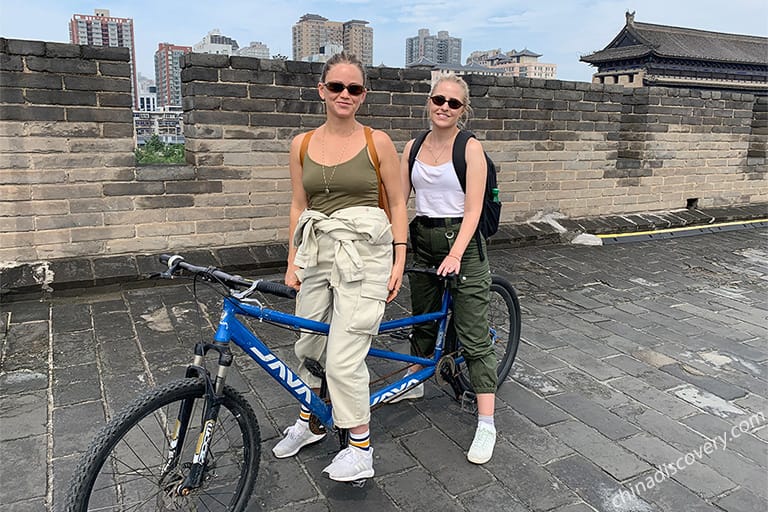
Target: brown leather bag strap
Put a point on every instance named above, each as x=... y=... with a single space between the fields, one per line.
x=372 y=150
x=304 y=146
x=383 y=201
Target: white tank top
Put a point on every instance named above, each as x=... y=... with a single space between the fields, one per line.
x=438 y=191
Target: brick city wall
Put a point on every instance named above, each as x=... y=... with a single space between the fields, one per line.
x=69 y=185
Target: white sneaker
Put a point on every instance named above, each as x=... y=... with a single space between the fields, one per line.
x=297 y=436
x=351 y=464
x=481 y=450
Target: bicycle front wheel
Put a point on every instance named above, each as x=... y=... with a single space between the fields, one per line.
x=126 y=468
x=504 y=321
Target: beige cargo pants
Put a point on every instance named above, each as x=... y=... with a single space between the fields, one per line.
x=346 y=261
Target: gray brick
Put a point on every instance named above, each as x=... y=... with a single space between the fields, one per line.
x=612 y=458
x=742 y=500
x=117 y=69
x=31 y=113
x=55 y=65
x=205 y=60
x=652 y=397
x=586 y=363
x=595 y=416
x=715 y=386
x=535 y=441
x=697 y=477
x=534 y=380
x=251 y=77
x=133 y=189
x=106 y=53
x=743 y=442
x=423 y=446
x=530 y=405
x=20 y=485
x=117 y=130
x=177 y=201
x=594 y=486
x=669 y=495
x=581 y=383
x=11 y=95
x=21 y=47
x=201 y=74
x=97 y=83
x=216 y=89
x=529 y=482
x=224 y=118
x=30 y=80
x=247 y=105
x=108 y=115
x=62 y=50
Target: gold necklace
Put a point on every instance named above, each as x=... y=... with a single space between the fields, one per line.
x=437 y=155
x=327 y=182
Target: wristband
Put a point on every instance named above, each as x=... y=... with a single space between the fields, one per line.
x=399 y=243
x=454 y=257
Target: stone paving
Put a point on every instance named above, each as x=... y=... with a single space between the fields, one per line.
x=641 y=384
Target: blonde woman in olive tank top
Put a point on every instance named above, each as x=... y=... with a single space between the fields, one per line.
x=335 y=219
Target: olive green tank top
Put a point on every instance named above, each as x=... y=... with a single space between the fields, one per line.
x=353 y=183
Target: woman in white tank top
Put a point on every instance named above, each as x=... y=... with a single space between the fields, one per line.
x=444 y=235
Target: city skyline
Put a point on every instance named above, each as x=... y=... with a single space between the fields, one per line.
x=561 y=31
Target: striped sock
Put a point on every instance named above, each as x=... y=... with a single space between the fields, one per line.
x=361 y=441
x=304 y=415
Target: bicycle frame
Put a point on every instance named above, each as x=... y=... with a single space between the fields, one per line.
x=232 y=329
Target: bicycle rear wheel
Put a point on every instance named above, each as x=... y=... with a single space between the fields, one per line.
x=124 y=468
x=504 y=320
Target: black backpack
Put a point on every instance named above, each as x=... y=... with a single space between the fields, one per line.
x=489 y=217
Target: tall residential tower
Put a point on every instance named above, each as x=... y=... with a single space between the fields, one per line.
x=316 y=38
x=439 y=49
x=101 y=29
x=168 y=73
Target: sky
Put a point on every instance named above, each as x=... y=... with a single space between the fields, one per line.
x=560 y=30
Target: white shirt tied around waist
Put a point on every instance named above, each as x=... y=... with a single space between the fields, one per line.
x=346 y=226
x=437 y=190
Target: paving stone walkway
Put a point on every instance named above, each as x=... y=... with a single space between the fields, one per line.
x=641 y=384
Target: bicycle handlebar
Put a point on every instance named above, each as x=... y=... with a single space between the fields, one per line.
x=176 y=261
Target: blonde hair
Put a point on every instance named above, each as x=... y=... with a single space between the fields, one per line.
x=456 y=79
x=344 y=58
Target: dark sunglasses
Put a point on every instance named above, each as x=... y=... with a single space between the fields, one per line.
x=441 y=100
x=337 y=87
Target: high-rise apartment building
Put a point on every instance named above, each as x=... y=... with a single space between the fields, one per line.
x=439 y=49
x=314 y=37
x=168 y=73
x=101 y=29
x=215 y=42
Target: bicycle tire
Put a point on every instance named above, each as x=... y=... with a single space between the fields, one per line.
x=505 y=324
x=113 y=475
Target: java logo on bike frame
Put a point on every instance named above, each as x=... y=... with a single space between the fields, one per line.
x=281 y=372
x=395 y=391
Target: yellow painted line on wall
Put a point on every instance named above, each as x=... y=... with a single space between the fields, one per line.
x=687 y=228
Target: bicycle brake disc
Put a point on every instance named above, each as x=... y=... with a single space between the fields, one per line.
x=445 y=370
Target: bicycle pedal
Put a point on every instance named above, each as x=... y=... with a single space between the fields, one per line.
x=469 y=402
x=314 y=367
x=359 y=484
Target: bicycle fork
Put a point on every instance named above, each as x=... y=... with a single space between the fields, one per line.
x=214 y=392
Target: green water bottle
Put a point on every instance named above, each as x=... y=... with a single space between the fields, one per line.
x=495 y=195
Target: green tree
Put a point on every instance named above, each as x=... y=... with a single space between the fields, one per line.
x=155 y=151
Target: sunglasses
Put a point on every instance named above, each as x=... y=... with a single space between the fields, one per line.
x=441 y=100
x=337 y=87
